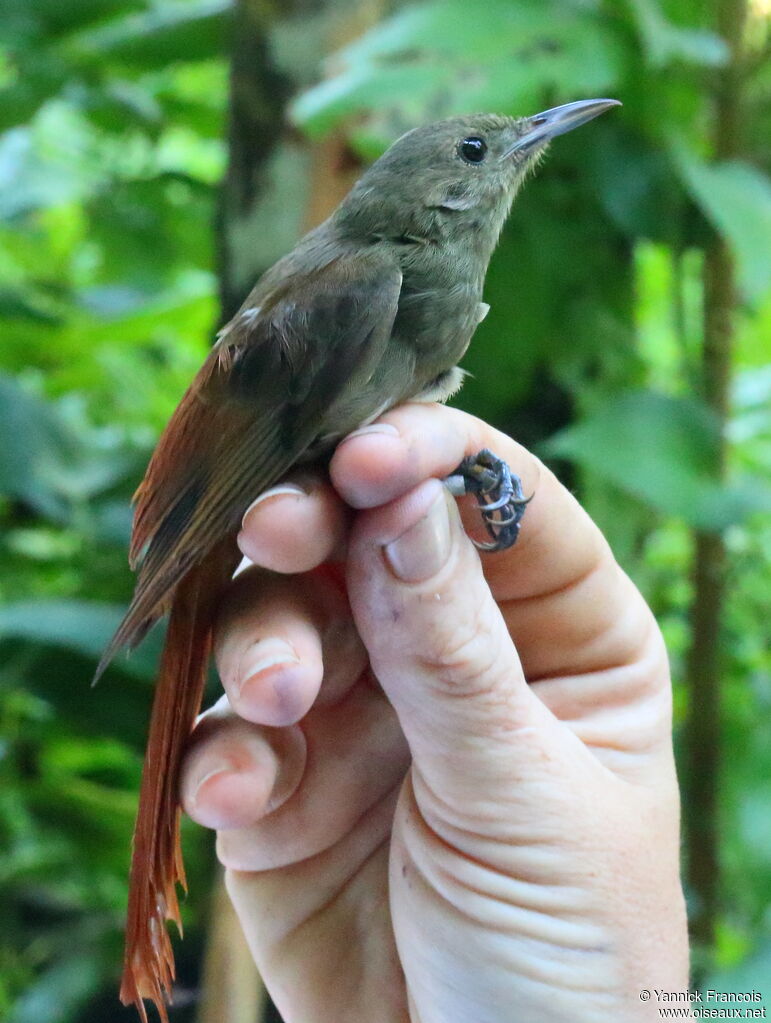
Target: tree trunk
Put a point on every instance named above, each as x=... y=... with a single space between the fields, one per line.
x=276 y=187
x=704 y=664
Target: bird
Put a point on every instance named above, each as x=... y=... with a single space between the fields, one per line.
x=372 y=308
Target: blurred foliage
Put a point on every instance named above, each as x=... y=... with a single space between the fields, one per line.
x=111 y=150
x=112 y=118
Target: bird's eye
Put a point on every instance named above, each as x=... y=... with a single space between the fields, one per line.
x=473 y=149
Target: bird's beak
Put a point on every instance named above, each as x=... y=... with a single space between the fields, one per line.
x=543 y=127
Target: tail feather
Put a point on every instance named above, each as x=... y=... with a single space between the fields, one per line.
x=156 y=865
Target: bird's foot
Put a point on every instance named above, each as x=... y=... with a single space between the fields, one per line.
x=499 y=494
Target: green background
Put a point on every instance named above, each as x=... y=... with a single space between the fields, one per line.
x=154 y=158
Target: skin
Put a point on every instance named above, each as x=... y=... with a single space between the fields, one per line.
x=411 y=831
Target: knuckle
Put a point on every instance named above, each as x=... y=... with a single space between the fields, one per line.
x=467 y=658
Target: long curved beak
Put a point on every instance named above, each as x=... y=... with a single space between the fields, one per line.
x=548 y=125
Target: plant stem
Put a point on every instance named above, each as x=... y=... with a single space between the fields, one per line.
x=704 y=663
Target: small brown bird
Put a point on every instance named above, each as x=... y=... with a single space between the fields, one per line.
x=372 y=308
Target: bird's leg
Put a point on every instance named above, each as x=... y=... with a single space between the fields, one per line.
x=499 y=494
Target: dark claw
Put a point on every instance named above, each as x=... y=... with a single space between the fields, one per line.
x=489 y=477
x=500 y=503
x=516 y=516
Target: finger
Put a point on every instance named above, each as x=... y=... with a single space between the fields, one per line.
x=234 y=773
x=355 y=756
x=583 y=633
x=276 y=639
x=295 y=526
x=284 y=911
x=442 y=652
x=561 y=570
x=370 y=469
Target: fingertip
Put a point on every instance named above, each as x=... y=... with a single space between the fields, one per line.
x=368 y=465
x=276 y=692
x=423 y=605
x=384 y=461
x=235 y=773
x=386 y=523
x=267 y=647
x=557 y=541
x=226 y=797
x=293 y=527
x=228 y=774
x=272 y=679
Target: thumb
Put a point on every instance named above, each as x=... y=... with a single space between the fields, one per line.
x=441 y=650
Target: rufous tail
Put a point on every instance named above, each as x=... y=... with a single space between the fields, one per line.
x=156 y=865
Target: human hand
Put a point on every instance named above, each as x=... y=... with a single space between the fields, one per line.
x=455 y=798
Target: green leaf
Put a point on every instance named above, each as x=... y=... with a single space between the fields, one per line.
x=44 y=75
x=45 y=20
x=82 y=626
x=50 y=459
x=193 y=29
x=56 y=159
x=365 y=88
x=665 y=42
x=635 y=183
x=59 y=991
x=446 y=26
x=34 y=445
x=751 y=975
x=736 y=198
x=433 y=60
x=661 y=450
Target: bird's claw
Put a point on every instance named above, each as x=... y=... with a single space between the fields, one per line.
x=499 y=493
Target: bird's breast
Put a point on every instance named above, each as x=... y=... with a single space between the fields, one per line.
x=437 y=323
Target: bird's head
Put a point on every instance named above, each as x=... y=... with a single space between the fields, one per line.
x=464 y=171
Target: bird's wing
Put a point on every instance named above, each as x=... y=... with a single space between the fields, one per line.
x=255 y=406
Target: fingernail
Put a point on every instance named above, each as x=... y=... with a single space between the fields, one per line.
x=268 y=653
x=374 y=428
x=223 y=768
x=423 y=549
x=280 y=490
